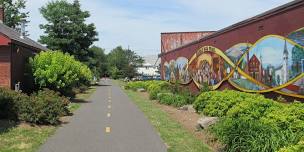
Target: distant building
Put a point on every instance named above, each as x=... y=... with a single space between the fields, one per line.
x=150 y=67
x=148 y=70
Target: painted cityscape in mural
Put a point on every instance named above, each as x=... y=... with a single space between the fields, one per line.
x=272 y=62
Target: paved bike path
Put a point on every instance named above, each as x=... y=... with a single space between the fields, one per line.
x=109 y=123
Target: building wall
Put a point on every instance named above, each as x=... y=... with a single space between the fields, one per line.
x=279 y=25
x=171 y=41
x=5 y=66
x=20 y=73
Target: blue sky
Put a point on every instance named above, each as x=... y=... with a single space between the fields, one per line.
x=138 y=23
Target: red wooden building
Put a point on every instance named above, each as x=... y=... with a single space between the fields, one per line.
x=15 y=50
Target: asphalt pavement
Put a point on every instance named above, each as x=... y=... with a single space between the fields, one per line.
x=110 y=122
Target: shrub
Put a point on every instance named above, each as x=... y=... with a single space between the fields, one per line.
x=153 y=90
x=287 y=117
x=179 y=101
x=166 y=98
x=252 y=135
x=172 y=99
x=10 y=102
x=58 y=71
x=46 y=107
x=217 y=103
x=136 y=85
x=155 y=87
x=299 y=147
x=253 y=108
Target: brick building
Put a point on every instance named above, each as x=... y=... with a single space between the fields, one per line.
x=15 y=50
x=281 y=24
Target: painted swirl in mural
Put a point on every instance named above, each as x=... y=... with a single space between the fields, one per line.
x=273 y=63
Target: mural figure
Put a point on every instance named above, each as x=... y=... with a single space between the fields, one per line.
x=181 y=68
x=208 y=68
x=167 y=71
x=172 y=71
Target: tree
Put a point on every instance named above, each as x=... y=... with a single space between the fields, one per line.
x=96 y=61
x=66 y=29
x=12 y=12
x=123 y=62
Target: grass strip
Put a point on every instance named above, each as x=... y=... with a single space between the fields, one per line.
x=174 y=135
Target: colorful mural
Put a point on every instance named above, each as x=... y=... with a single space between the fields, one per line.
x=166 y=71
x=273 y=63
x=207 y=67
x=172 y=71
x=181 y=67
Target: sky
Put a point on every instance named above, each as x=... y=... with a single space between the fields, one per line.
x=137 y=24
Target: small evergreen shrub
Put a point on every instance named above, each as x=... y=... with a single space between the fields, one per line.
x=46 y=108
x=43 y=107
x=10 y=102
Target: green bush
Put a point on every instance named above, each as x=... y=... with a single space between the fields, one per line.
x=46 y=108
x=299 y=147
x=58 y=71
x=286 y=117
x=253 y=108
x=172 y=99
x=10 y=102
x=136 y=85
x=166 y=98
x=179 y=101
x=251 y=135
x=155 y=87
x=217 y=103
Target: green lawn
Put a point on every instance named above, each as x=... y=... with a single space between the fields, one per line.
x=26 y=138
x=173 y=134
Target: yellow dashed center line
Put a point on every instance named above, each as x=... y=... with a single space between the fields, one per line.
x=108 y=129
x=109 y=115
x=109 y=106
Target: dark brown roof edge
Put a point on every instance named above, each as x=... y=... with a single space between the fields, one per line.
x=256 y=18
x=187 y=32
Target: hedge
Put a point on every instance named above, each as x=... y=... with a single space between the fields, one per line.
x=43 y=107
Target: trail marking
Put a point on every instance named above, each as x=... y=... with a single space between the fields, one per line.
x=108 y=129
